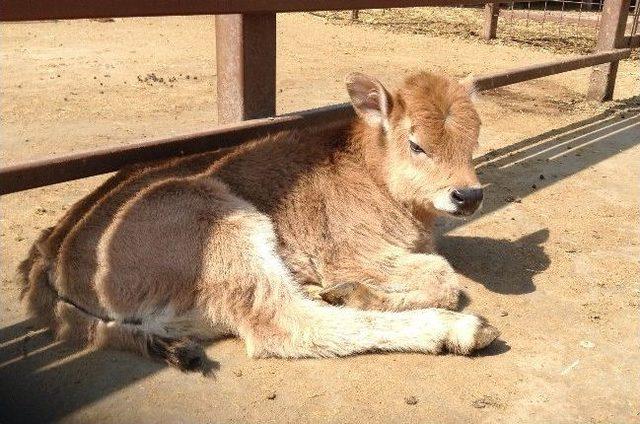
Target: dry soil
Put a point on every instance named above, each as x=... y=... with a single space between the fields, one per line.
x=552 y=260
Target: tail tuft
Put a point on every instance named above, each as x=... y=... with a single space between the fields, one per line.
x=184 y=353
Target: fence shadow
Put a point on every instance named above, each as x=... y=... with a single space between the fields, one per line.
x=43 y=381
x=513 y=172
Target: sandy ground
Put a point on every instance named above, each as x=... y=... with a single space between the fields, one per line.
x=552 y=260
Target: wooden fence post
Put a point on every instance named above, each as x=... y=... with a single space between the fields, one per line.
x=246 y=62
x=491 y=13
x=610 y=36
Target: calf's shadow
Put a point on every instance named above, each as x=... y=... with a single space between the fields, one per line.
x=502 y=266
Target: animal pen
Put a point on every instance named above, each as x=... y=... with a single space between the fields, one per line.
x=246 y=73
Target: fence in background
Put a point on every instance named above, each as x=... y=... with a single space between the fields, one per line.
x=576 y=15
x=611 y=22
x=246 y=52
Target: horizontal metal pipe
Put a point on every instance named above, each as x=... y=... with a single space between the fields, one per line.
x=33 y=10
x=41 y=172
x=539 y=70
x=47 y=171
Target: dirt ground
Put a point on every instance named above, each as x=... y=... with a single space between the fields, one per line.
x=552 y=260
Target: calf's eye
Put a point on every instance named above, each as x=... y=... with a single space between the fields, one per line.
x=415 y=148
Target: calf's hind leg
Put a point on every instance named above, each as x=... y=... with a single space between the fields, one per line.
x=255 y=294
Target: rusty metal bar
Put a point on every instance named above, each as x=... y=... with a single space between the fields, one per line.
x=610 y=36
x=48 y=171
x=525 y=73
x=43 y=172
x=491 y=14
x=33 y=10
x=246 y=66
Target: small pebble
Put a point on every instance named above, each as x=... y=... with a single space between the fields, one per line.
x=541 y=177
x=237 y=373
x=512 y=199
x=587 y=344
x=485 y=401
x=478 y=403
x=411 y=400
x=504 y=313
x=271 y=396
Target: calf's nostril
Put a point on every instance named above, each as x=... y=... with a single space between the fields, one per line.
x=457 y=196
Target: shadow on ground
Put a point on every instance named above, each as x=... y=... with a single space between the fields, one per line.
x=33 y=367
x=503 y=266
x=515 y=171
x=37 y=373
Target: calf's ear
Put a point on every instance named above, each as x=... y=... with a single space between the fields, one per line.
x=371 y=101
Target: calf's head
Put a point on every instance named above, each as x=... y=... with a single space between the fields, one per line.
x=422 y=136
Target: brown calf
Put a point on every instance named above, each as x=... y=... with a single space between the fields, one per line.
x=162 y=256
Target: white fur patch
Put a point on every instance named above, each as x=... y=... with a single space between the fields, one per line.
x=386 y=125
x=263 y=241
x=463 y=332
x=443 y=202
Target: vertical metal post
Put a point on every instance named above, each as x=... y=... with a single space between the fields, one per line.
x=246 y=62
x=610 y=36
x=491 y=13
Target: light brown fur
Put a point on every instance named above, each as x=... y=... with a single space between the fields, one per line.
x=222 y=243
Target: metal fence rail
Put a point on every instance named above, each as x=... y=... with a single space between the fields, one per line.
x=246 y=51
x=31 y=10
x=47 y=171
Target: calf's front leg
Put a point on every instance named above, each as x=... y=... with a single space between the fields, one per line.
x=414 y=281
x=304 y=328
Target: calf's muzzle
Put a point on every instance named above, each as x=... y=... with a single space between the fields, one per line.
x=467 y=199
